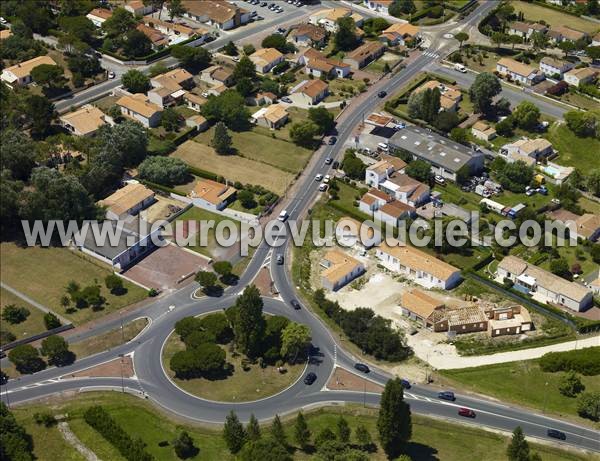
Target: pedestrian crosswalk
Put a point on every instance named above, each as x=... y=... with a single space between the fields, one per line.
x=431 y=54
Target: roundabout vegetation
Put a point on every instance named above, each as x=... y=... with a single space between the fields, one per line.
x=237 y=355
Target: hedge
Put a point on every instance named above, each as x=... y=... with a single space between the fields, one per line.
x=584 y=361
x=131 y=449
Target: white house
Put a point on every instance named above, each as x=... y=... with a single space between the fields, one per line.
x=378 y=172
x=211 y=195
x=98 y=16
x=519 y=72
x=328 y=18
x=20 y=74
x=265 y=59
x=552 y=67
x=221 y=14
x=532 y=148
x=379 y=6
x=340 y=269
x=310 y=92
x=543 y=285
x=584 y=75
x=140 y=109
x=127 y=201
x=421 y=267
x=83 y=122
x=483 y=131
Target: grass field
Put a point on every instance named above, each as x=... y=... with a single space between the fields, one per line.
x=574 y=151
x=432 y=439
x=259 y=145
x=43 y=274
x=535 y=12
x=109 y=339
x=521 y=383
x=590 y=206
x=237 y=168
x=32 y=325
x=242 y=386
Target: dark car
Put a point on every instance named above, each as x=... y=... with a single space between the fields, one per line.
x=332 y=140
x=405 y=384
x=447 y=395
x=279 y=259
x=295 y=304
x=556 y=434
x=286 y=99
x=335 y=165
x=466 y=412
x=382 y=94
x=362 y=367
x=310 y=378
x=328 y=161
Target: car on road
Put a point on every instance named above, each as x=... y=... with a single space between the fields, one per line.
x=295 y=304
x=362 y=367
x=258 y=18
x=318 y=177
x=382 y=94
x=286 y=99
x=447 y=395
x=466 y=412
x=310 y=378
x=328 y=161
x=279 y=259
x=405 y=383
x=235 y=59
x=323 y=187
x=280 y=30
x=556 y=434
x=111 y=74
x=283 y=215
x=460 y=68
x=332 y=140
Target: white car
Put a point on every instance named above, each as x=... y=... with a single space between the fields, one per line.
x=326 y=179
x=323 y=187
x=460 y=68
x=439 y=179
x=318 y=177
x=111 y=74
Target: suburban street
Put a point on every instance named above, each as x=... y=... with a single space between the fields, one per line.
x=151 y=381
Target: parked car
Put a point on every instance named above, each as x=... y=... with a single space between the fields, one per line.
x=382 y=94
x=438 y=179
x=332 y=140
x=556 y=434
x=405 y=383
x=447 y=395
x=295 y=304
x=335 y=165
x=310 y=378
x=280 y=259
x=323 y=187
x=263 y=4
x=318 y=177
x=280 y=30
x=111 y=74
x=466 y=412
x=328 y=161
x=326 y=179
x=286 y=99
x=383 y=146
x=362 y=367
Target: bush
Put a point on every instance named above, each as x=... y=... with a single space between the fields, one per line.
x=45 y=418
x=588 y=405
x=164 y=170
x=15 y=314
x=571 y=385
x=51 y=321
x=584 y=361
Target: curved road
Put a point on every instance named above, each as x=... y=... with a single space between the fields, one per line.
x=151 y=381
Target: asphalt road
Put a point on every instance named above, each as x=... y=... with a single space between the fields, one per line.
x=152 y=382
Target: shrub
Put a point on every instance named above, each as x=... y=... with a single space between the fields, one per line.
x=51 y=321
x=45 y=418
x=584 y=361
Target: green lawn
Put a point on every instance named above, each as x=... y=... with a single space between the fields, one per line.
x=590 y=206
x=521 y=383
x=534 y=12
x=432 y=439
x=574 y=151
x=109 y=339
x=260 y=145
x=32 y=325
x=241 y=386
x=43 y=274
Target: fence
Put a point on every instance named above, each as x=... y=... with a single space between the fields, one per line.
x=30 y=339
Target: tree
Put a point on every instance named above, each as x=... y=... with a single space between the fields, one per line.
x=583 y=124
x=353 y=166
x=264 y=449
x=322 y=118
x=51 y=321
x=207 y=280
x=233 y=433
x=249 y=49
x=120 y=22
x=230 y=49
x=514 y=40
x=164 y=170
x=566 y=47
x=461 y=37
x=570 y=384
x=560 y=267
x=221 y=140
x=345 y=38
x=48 y=75
x=526 y=115
x=343 y=430
x=485 y=87
x=505 y=127
x=374 y=26
x=301 y=431
x=419 y=170
x=184 y=446
x=204 y=359
x=394 y=420
x=245 y=68
x=277 y=431
x=459 y=135
x=39 y=111
x=276 y=41
x=303 y=133
x=229 y=108
x=538 y=40
x=223 y=268
x=15 y=443
x=114 y=283
x=400 y=7
x=14 y=314
x=26 y=359
x=57 y=350
x=246 y=198
x=518 y=449
x=244 y=86
x=252 y=429
x=249 y=323
x=137 y=44
x=18 y=154
x=295 y=338
x=363 y=437
x=170 y=119
x=499 y=38
x=446 y=120
x=157 y=69
x=192 y=58
x=176 y=9
x=135 y=81
x=593 y=181
x=588 y=405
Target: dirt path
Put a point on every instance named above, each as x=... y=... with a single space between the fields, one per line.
x=72 y=440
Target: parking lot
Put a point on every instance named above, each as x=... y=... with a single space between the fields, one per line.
x=263 y=11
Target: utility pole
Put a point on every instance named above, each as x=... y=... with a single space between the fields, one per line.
x=122 y=381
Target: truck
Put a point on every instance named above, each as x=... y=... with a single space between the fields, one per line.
x=514 y=211
x=493 y=206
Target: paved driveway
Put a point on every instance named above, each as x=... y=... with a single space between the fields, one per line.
x=167 y=268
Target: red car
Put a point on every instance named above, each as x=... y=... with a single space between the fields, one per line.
x=466 y=412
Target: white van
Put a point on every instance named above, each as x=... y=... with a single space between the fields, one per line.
x=383 y=146
x=460 y=68
x=283 y=215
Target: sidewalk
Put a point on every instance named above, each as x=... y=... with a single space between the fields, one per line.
x=445 y=356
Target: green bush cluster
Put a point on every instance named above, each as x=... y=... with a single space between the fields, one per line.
x=584 y=361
